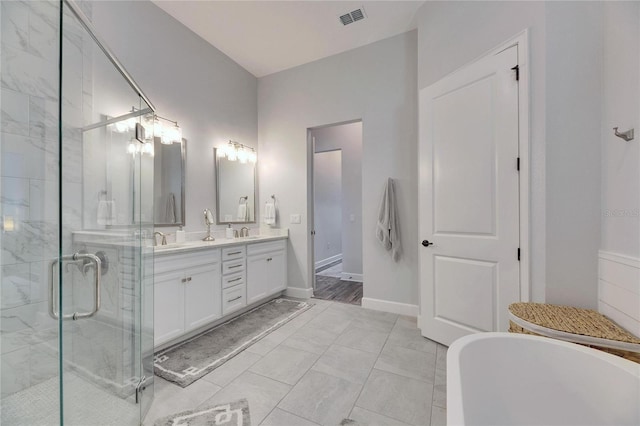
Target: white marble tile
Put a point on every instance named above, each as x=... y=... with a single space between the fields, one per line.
x=32 y=317
x=366 y=340
x=231 y=369
x=16 y=285
x=398 y=397
x=26 y=157
x=285 y=364
x=346 y=363
x=14 y=111
x=262 y=394
x=44 y=362
x=29 y=74
x=43 y=200
x=407 y=362
x=30 y=242
x=366 y=417
x=43 y=118
x=14 y=371
x=321 y=398
x=14 y=24
x=14 y=199
x=280 y=417
x=44 y=31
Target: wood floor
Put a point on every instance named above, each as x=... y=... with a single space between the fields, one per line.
x=332 y=288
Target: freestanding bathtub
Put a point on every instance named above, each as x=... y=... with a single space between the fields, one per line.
x=513 y=379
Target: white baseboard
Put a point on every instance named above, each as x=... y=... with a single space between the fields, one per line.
x=328 y=260
x=300 y=293
x=619 y=289
x=348 y=276
x=393 y=307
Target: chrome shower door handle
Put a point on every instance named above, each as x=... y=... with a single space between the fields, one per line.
x=53 y=294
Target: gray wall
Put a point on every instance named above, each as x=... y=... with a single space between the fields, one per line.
x=375 y=83
x=327 y=215
x=188 y=80
x=621 y=107
x=348 y=138
x=565 y=92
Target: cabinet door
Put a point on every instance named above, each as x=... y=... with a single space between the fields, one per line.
x=276 y=276
x=202 y=291
x=256 y=279
x=168 y=305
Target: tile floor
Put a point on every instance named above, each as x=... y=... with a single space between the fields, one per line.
x=332 y=362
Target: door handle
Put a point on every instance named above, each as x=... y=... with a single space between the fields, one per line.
x=53 y=297
x=426 y=243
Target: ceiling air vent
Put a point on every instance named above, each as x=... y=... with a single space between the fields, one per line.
x=353 y=16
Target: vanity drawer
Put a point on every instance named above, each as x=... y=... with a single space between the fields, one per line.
x=233 y=280
x=235 y=252
x=233 y=266
x=260 y=248
x=234 y=298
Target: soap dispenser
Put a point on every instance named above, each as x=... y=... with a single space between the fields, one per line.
x=180 y=236
x=229 y=232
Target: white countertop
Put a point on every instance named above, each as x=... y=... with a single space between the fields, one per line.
x=219 y=242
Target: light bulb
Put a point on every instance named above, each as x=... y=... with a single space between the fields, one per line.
x=221 y=152
x=157 y=128
x=177 y=134
x=131 y=149
x=243 y=156
x=131 y=123
x=147 y=148
x=122 y=126
x=253 y=157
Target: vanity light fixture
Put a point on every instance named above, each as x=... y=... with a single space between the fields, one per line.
x=154 y=127
x=235 y=151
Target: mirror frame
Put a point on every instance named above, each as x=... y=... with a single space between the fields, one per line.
x=183 y=154
x=255 y=192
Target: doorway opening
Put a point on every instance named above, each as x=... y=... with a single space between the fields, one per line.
x=336 y=225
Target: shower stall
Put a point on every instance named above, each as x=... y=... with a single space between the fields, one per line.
x=76 y=224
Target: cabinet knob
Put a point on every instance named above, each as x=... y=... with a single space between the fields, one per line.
x=269 y=259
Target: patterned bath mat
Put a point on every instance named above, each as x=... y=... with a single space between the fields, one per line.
x=234 y=413
x=188 y=361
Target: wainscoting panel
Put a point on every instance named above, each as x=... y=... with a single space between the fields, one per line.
x=619 y=289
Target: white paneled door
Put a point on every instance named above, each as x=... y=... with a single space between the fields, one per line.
x=469 y=214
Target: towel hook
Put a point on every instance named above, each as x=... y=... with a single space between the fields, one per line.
x=627 y=136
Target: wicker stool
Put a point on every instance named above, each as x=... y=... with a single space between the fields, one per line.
x=583 y=326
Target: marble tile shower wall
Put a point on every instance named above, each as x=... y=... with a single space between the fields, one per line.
x=29 y=172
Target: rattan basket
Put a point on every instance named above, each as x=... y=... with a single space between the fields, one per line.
x=582 y=326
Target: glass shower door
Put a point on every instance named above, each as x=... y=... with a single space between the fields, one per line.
x=106 y=223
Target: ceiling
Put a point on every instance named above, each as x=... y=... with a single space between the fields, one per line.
x=270 y=36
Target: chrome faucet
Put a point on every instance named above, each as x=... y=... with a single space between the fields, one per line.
x=244 y=231
x=164 y=238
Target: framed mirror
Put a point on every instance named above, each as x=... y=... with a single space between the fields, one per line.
x=168 y=187
x=235 y=190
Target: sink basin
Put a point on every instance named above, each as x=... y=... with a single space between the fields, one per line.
x=168 y=247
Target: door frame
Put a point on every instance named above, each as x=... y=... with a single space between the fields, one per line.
x=311 y=273
x=521 y=41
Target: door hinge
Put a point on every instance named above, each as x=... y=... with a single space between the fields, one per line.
x=313 y=232
x=518 y=164
x=517 y=70
x=518 y=254
x=140 y=387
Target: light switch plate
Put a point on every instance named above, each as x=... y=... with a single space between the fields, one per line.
x=295 y=219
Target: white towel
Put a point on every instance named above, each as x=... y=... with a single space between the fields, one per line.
x=104 y=212
x=242 y=213
x=270 y=213
x=170 y=208
x=388 y=228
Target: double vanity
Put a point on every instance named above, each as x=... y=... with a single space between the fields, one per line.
x=199 y=284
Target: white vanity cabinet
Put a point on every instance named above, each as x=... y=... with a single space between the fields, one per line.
x=186 y=293
x=197 y=287
x=266 y=269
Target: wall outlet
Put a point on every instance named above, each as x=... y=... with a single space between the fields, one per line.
x=295 y=219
